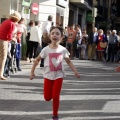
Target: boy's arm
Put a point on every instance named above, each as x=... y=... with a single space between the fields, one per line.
x=72 y=67
x=32 y=75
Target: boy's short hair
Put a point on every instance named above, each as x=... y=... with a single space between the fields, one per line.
x=58 y=27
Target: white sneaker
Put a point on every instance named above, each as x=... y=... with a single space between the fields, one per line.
x=31 y=60
x=28 y=60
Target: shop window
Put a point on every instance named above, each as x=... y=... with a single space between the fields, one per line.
x=2 y=19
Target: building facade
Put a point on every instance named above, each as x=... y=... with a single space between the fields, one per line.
x=59 y=9
x=79 y=12
x=108 y=15
x=64 y=12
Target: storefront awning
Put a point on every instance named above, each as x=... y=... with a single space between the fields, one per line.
x=83 y=4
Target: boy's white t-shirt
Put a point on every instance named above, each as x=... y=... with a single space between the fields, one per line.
x=53 y=62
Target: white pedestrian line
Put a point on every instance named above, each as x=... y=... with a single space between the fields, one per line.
x=115 y=105
x=90 y=117
x=49 y=112
x=62 y=97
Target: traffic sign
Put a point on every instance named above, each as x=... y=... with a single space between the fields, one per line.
x=35 y=8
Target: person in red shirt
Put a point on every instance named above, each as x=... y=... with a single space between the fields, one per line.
x=100 y=38
x=7 y=30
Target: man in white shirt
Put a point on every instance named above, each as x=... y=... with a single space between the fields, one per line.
x=45 y=31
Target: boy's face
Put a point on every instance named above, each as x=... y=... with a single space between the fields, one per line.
x=55 y=35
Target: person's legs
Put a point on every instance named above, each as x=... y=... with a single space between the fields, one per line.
x=31 y=43
x=98 y=55
x=118 y=54
x=68 y=47
x=93 y=51
x=3 y=56
x=35 y=48
x=113 y=53
x=89 y=51
x=52 y=89
x=71 y=51
x=48 y=85
x=77 y=53
x=104 y=55
x=56 y=95
x=109 y=52
x=7 y=67
x=18 y=64
x=42 y=60
x=81 y=53
x=84 y=53
x=27 y=50
x=18 y=57
x=101 y=55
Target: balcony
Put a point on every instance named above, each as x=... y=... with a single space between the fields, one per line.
x=62 y=3
x=83 y=4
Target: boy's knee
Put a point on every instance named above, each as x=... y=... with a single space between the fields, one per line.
x=47 y=98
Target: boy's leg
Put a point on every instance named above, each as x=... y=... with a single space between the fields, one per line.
x=56 y=95
x=48 y=86
x=89 y=51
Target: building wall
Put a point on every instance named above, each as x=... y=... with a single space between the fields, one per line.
x=5 y=7
x=46 y=7
x=62 y=7
x=52 y=7
x=79 y=16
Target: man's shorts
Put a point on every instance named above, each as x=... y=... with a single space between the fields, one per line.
x=69 y=45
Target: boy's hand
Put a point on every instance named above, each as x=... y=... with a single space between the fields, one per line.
x=77 y=75
x=32 y=76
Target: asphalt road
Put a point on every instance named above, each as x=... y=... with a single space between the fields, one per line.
x=95 y=96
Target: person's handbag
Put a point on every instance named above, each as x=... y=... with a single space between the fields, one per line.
x=103 y=44
x=46 y=39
